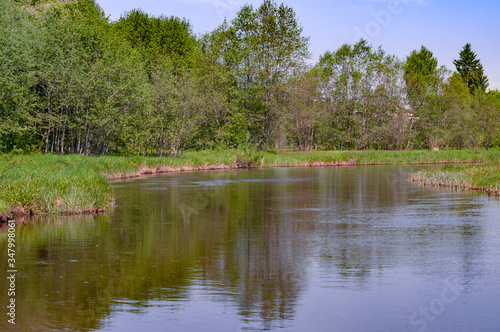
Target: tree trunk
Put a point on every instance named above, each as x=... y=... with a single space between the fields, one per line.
x=49 y=108
x=64 y=132
x=487 y=143
x=409 y=138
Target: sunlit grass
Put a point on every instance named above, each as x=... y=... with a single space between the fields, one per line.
x=52 y=184
x=382 y=157
x=485 y=177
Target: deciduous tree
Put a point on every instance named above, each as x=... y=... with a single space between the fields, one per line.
x=267 y=46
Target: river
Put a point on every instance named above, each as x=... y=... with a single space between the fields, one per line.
x=281 y=249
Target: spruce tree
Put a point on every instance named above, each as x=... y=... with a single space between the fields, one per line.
x=480 y=79
x=471 y=70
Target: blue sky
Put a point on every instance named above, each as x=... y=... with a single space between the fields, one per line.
x=399 y=26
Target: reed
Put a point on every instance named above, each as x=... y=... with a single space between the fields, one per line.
x=483 y=177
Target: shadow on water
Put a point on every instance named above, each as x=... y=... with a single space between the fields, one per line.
x=243 y=248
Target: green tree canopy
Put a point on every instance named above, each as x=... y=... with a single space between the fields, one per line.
x=360 y=87
x=267 y=44
x=421 y=63
x=158 y=36
x=72 y=81
x=421 y=77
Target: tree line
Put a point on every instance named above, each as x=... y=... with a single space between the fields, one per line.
x=72 y=81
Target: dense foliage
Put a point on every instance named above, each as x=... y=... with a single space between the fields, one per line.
x=71 y=81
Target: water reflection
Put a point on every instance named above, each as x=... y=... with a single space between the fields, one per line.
x=259 y=249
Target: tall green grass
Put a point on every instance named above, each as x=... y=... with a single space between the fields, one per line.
x=381 y=157
x=52 y=184
x=78 y=184
x=484 y=177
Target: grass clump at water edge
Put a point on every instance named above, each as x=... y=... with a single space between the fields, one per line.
x=483 y=177
x=51 y=184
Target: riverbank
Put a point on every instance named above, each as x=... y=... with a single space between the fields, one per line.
x=75 y=184
x=481 y=177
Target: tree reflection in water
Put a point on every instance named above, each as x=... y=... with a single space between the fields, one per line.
x=247 y=238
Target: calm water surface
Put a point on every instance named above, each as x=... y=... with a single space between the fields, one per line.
x=292 y=249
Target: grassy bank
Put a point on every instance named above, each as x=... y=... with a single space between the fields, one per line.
x=77 y=184
x=51 y=184
x=484 y=177
x=381 y=157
